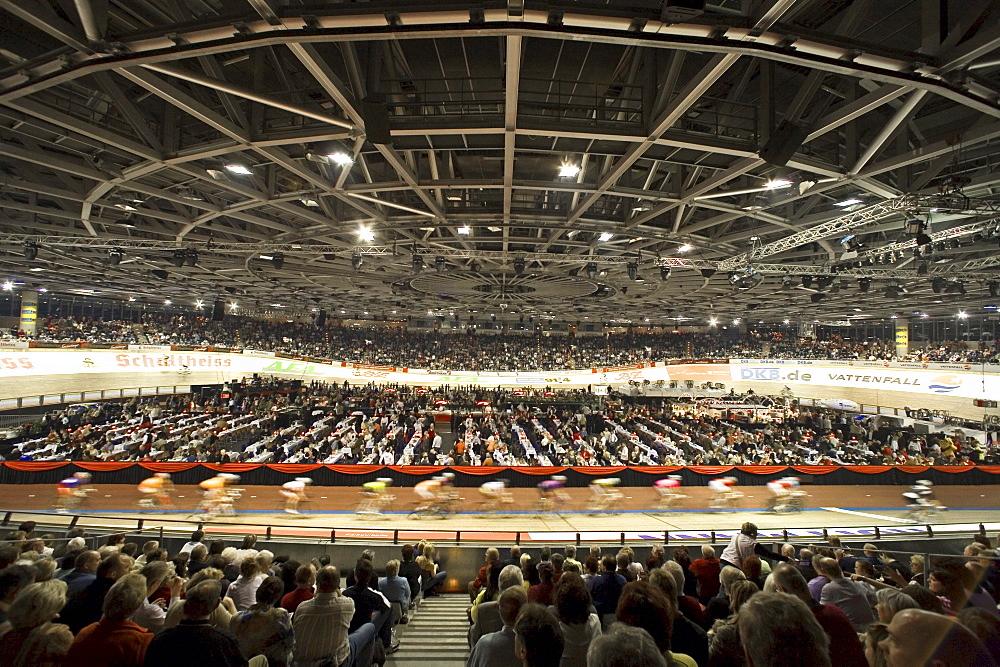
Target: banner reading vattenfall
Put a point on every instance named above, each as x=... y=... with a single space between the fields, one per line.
x=902 y=338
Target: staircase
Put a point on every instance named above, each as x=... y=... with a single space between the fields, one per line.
x=435 y=635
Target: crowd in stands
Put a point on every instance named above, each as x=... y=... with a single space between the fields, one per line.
x=482 y=351
x=68 y=601
x=337 y=424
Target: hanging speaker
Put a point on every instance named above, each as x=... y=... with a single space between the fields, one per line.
x=375 y=112
x=218 y=311
x=321 y=318
x=784 y=141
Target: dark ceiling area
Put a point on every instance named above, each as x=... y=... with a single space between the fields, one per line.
x=821 y=159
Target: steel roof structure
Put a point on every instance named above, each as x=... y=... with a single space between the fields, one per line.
x=548 y=156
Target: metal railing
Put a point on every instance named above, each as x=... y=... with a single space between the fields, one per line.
x=41 y=400
x=396 y=535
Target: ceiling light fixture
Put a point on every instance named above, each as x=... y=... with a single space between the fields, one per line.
x=568 y=170
x=605 y=236
x=853 y=201
x=778 y=184
x=341 y=159
x=687 y=247
x=366 y=234
x=464 y=230
x=239 y=169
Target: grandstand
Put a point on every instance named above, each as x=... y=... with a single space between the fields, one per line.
x=342 y=334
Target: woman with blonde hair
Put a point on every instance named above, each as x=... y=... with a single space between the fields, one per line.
x=430 y=576
x=222 y=615
x=34 y=640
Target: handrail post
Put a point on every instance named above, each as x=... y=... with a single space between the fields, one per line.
x=267 y=536
x=623 y=539
x=395 y=536
x=333 y=535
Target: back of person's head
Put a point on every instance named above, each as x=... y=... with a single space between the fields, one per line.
x=570 y=551
x=609 y=563
x=216 y=547
x=739 y=593
x=591 y=565
x=510 y=575
x=37 y=603
x=727 y=577
x=572 y=599
x=557 y=560
x=643 y=605
x=248 y=568
x=305 y=575
x=392 y=568
x=752 y=567
x=363 y=572
x=749 y=529
x=249 y=541
x=831 y=568
x=985 y=626
x=622 y=561
x=538 y=639
x=509 y=604
x=14 y=578
x=149 y=546
x=682 y=556
x=924 y=598
x=806 y=554
x=269 y=592
x=201 y=600
x=545 y=571
x=198 y=536
x=779 y=630
x=204 y=574
x=199 y=553
x=919 y=637
x=664 y=580
x=707 y=551
x=789 y=580
x=624 y=646
x=44 y=568
x=8 y=555
x=492 y=555
x=264 y=559
x=407 y=552
x=545 y=553
x=677 y=572
x=155 y=572
x=328 y=579
x=125 y=597
x=894 y=601
x=111 y=567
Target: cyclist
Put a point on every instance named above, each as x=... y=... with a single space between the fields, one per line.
x=71 y=491
x=920 y=499
x=218 y=496
x=724 y=494
x=375 y=496
x=294 y=492
x=552 y=492
x=436 y=493
x=781 y=494
x=669 y=490
x=605 y=494
x=156 y=492
x=495 y=495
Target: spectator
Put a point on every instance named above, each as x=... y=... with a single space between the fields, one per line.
x=542 y=592
x=875 y=655
x=410 y=571
x=243 y=591
x=578 y=625
x=431 y=577
x=496 y=649
x=222 y=614
x=538 y=641
x=395 y=588
x=985 y=626
x=87 y=605
x=683 y=558
x=889 y=601
x=725 y=647
x=194 y=641
x=487 y=619
x=817 y=583
x=845 y=650
x=643 y=605
x=152 y=615
x=686 y=636
x=686 y=604
x=718 y=607
x=305 y=579
x=489 y=593
x=265 y=629
x=919 y=637
x=195 y=541
x=83 y=573
x=198 y=560
x=492 y=557
x=624 y=646
x=778 y=630
x=706 y=570
x=33 y=638
x=321 y=626
x=369 y=605
x=13 y=580
x=114 y=641
x=856 y=602
x=743 y=545
x=606 y=588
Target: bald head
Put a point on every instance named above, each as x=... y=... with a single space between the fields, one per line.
x=919 y=637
